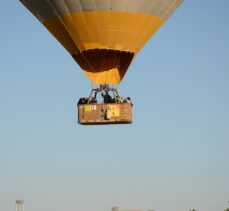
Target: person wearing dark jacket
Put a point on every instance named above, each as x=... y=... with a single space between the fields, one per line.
x=107 y=98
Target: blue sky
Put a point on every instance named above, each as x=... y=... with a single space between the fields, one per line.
x=173 y=157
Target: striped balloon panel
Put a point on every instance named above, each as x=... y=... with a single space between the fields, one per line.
x=116 y=25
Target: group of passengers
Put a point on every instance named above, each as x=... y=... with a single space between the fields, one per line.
x=106 y=99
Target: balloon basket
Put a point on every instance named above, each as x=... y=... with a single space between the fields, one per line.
x=104 y=106
x=104 y=114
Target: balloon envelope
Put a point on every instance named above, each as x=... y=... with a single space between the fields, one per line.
x=103 y=36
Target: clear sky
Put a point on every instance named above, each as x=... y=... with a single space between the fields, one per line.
x=174 y=157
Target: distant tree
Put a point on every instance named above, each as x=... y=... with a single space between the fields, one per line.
x=196 y=210
x=227 y=209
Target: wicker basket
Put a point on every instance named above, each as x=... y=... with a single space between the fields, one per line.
x=101 y=114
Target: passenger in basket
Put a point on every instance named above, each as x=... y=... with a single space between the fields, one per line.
x=93 y=100
x=116 y=99
x=128 y=100
x=107 y=98
x=85 y=100
x=119 y=99
x=82 y=100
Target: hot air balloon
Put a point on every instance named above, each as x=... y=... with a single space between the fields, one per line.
x=103 y=37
